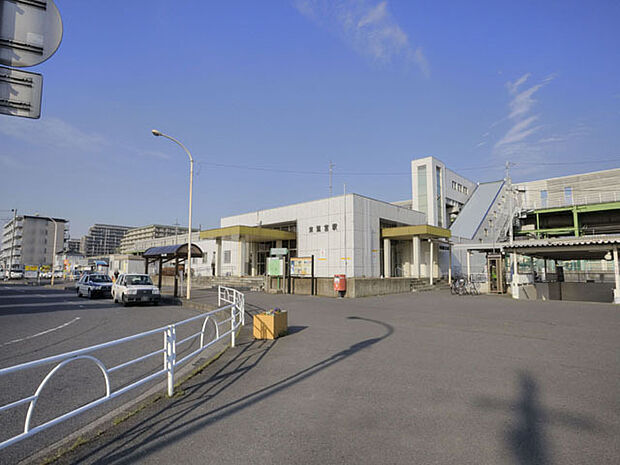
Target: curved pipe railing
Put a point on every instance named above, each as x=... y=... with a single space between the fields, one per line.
x=235 y=304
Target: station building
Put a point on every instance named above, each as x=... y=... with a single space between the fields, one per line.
x=451 y=226
x=349 y=234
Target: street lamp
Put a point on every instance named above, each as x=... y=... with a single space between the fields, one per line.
x=189 y=229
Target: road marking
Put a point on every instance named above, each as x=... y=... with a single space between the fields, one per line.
x=41 y=333
x=61 y=302
x=25 y=296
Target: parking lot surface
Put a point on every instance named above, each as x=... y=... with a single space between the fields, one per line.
x=406 y=379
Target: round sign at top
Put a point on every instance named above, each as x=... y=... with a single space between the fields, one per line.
x=30 y=32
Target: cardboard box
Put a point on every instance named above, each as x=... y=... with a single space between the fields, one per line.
x=270 y=326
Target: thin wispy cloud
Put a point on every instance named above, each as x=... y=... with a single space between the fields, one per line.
x=152 y=154
x=52 y=133
x=9 y=162
x=368 y=27
x=521 y=105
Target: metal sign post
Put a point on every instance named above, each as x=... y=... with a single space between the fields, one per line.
x=20 y=93
x=30 y=33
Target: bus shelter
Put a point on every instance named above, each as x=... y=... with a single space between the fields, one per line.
x=168 y=253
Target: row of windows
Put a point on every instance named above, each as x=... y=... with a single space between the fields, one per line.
x=568 y=196
x=325 y=228
x=460 y=187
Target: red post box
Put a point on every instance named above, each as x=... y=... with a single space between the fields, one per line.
x=340 y=284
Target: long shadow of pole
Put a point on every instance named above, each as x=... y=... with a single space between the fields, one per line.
x=174 y=432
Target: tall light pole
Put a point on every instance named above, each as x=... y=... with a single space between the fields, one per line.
x=189 y=229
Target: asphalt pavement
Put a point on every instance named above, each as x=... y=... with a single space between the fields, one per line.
x=424 y=378
x=36 y=322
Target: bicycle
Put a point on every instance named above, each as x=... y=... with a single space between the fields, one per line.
x=458 y=286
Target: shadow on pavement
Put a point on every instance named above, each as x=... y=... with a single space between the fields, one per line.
x=173 y=422
x=526 y=438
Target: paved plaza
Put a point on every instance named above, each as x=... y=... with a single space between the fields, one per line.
x=413 y=378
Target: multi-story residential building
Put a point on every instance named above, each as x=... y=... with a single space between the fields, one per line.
x=73 y=245
x=132 y=241
x=102 y=239
x=29 y=240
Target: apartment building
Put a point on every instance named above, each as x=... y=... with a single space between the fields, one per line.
x=132 y=241
x=102 y=239
x=29 y=240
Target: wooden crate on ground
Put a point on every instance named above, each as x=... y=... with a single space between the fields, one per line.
x=270 y=326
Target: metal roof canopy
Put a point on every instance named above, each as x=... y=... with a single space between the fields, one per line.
x=172 y=251
x=579 y=248
x=167 y=253
x=250 y=233
x=424 y=231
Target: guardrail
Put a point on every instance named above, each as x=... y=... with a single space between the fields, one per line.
x=235 y=304
x=231 y=296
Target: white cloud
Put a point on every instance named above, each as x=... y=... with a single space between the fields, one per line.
x=521 y=105
x=368 y=27
x=52 y=133
x=152 y=154
x=9 y=162
x=375 y=15
x=519 y=131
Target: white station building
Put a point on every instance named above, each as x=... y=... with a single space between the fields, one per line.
x=349 y=234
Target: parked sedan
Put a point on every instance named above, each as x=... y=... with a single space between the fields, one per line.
x=94 y=284
x=135 y=288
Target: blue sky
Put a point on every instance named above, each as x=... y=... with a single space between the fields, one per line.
x=265 y=94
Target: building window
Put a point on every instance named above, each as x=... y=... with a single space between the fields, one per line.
x=422 y=196
x=310 y=229
x=543 y=199
x=226 y=256
x=454 y=185
x=334 y=226
x=326 y=228
x=439 y=203
x=486 y=232
x=568 y=195
x=318 y=228
x=465 y=190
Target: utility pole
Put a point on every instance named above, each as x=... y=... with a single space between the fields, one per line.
x=510 y=207
x=515 y=266
x=331 y=171
x=345 y=229
x=12 y=242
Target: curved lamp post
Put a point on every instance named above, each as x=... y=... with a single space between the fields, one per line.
x=189 y=230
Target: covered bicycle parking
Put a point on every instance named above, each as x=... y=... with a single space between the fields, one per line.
x=604 y=247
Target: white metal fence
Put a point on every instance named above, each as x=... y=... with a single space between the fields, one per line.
x=235 y=304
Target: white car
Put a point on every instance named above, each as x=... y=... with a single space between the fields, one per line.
x=16 y=274
x=130 y=288
x=94 y=284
